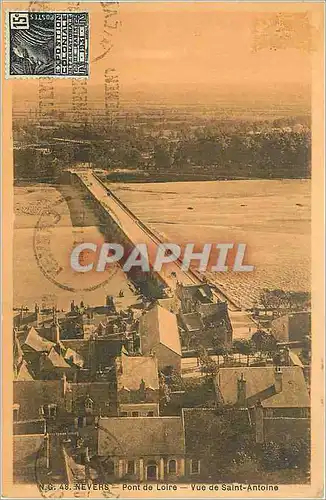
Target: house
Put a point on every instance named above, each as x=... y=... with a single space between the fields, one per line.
x=90 y=400
x=159 y=335
x=282 y=391
x=209 y=325
x=24 y=372
x=172 y=304
x=142 y=449
x=292 y=328
x=32 y=344
x=192 y=295
x=61 y=403
x=137 y=386
x=31 y=398
x=276 y=397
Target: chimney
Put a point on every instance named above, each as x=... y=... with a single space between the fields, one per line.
x=242 y=397
x=278 y=383
x=47 y=449
x=37 y=314
x=64 y=385
x=21 y=316
x=55 y=331
x=259 y=419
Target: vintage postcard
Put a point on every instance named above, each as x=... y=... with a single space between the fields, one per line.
x=162 y=249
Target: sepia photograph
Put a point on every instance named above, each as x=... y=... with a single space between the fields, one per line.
x=163 y=257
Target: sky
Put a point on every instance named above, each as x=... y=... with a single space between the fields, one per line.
x=165 y=47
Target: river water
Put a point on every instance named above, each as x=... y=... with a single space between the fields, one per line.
x=272 y=217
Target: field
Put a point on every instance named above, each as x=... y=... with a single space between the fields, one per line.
x=271 y=217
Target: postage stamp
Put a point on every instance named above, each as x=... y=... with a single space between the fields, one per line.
x=51 y=44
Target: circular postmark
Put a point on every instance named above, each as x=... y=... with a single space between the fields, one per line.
x=59 y=473
x=54 y=238
x=44 y=479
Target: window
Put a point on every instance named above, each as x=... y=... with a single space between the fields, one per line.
x=150 y=414
x=135 y=414
x=48 y=411
x=88 y=404
x=52 y=411
x=131 y=467
x=172 y=466
x=16 y=412
x=123 y=414
x=194 y=466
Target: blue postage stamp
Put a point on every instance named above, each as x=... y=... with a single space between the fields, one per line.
x=48 y=44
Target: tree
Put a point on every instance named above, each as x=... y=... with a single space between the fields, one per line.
x=245 y=347
x=264 y=341
x=162 y=156
x=208 y=365
x=291 y=454
x=283 y=301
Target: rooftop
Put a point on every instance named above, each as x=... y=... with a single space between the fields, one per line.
x=32 y=339
x=141 y=436
x=260 y=386
x=159 y=325
x=134 y=369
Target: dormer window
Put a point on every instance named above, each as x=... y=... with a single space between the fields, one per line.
x=89 y=403
x=48 y=411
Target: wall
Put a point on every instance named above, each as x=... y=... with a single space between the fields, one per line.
x=140 y=471
x=283 y=429
x=142 y=408
x=166 y=357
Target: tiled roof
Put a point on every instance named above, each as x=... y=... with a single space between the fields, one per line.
x=192 y=291
x=32 y=339
x=73 y=357
x=141 y=436
x=30 y=395
x=134 y=369
x=56 y=359
x=260 y=385
x=100 y=392
x=192 y=321
x=295 y=360
x=24 y=372
x=159 y=326
x=25 y=453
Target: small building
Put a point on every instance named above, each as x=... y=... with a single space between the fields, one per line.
x=36 y=398
x=159 y=335
x=137 y=386
x=282 y=391
x=276 y=398
x=192 y=295
x=142 y=449
x=292 y=327
x=90 y=400
x=32 y=343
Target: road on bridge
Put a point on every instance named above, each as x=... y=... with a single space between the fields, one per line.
x=137 y=232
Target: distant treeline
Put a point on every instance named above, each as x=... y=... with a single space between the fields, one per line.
x=229 y=149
